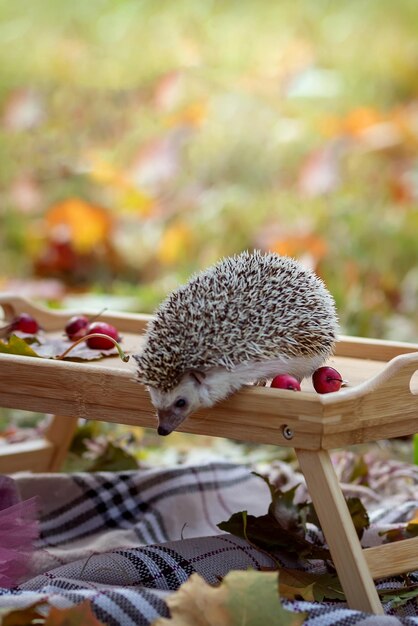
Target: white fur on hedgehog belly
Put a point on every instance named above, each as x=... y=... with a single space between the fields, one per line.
x=219 y=383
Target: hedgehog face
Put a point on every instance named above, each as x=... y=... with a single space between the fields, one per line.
x=174 y=406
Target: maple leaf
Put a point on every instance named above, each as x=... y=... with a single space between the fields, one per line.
x=249 y=597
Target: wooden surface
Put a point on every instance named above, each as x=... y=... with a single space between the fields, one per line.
x=393 y=558
x=339 y=531
x=378 y=402
x=34 y=456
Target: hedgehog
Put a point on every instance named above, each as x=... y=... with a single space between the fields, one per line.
x=246 y=319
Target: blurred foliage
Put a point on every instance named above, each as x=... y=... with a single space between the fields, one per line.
x=142 y=141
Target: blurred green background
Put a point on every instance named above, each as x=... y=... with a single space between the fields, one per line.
x=141 y=141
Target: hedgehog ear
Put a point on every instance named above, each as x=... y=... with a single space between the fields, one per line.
x=198 y=376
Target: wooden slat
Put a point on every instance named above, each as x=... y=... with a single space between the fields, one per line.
x=339 y=531
x=33 y=456
x=60 y=434
x=55 y=320
x=374 y=349
x=392 y=558
x=94 y=392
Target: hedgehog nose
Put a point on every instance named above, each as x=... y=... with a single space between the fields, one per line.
x=163 y=431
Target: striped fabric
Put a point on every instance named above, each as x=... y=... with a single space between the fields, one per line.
x=126 y=540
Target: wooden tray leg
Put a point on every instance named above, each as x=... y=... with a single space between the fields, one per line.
x=60 y=433
x=339 y=531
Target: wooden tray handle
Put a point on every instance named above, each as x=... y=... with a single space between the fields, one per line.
x=396 y=383
x=13 y=304
x=396 y=375
x=50 y=320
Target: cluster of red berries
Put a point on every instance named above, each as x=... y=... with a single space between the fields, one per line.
x=77 y=327
x=325 y=380
x=80 y=326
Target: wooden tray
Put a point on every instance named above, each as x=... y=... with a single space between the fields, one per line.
x=381 y=400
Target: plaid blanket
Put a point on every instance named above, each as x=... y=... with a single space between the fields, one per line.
x=126 y=540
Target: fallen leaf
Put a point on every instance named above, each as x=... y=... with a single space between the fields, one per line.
x=114 y=459
x=249 y=598
x=399 y=597
x=22 y=617
x=81 y=614
x=407 y=531
x=283 y=528
x=53 y=347
x=294 y=584
x=50 y=348
x=266 y=533
x=17 y=345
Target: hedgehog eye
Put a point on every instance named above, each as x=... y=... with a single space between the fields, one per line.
x=180 y=403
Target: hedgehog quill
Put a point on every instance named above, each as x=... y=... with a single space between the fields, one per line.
x=247 y=318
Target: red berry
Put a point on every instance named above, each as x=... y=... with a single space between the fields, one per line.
x=101 y=343
x=285 y=381
x=25 y=323
x=326 y=380
x=76 y=327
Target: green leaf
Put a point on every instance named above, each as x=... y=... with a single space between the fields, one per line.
x=253 y=600
x=398 y=597
x=17 y=345
x=360 y=471
x=309 y=586
x=114 y=459
x=243 y=598
x=358 y=515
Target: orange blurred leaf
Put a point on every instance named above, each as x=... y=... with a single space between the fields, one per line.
x=360 y=119
x=194 y=114
x=84 y=224
x=300 y=245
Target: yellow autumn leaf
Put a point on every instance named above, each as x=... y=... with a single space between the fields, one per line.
x=174 y=244
x=85 y=224
x=137 y=201
x=105 y=173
